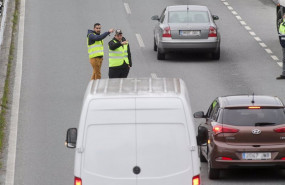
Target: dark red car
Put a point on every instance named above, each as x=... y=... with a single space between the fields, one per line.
x=242 y=131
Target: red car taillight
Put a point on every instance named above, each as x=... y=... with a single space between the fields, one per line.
x=280 y=130
x=77 y=181
x=166 y=32
x=221 y=129
x=212 y=32
x=196 y=180
x=224 y=158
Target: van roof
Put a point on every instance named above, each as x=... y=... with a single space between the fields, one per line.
x=136 y=86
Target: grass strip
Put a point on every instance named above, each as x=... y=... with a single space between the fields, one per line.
x=5 y=98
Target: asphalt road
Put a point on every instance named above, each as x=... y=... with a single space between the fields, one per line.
x=56 y=71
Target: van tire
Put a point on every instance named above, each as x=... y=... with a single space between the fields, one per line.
x=154 y=45
x=212 y=172
x=202 y=158
x=160 y=55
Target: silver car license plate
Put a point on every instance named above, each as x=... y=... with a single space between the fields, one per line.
x=256 y=156
x=190 y=32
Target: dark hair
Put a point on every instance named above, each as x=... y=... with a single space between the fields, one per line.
x=96 y=24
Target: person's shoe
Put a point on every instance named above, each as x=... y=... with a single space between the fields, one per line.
x=280 y=77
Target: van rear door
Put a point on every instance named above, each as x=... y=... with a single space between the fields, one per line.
x=163 y=154
x=110 y=143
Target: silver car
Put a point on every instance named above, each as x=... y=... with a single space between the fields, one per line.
x=186 y=27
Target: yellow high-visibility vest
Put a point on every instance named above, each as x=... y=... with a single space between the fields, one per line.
x=282 y=28
x=118 y=56
x=96 y=49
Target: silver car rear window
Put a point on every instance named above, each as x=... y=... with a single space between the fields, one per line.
x=254 y=117
x=188 y=17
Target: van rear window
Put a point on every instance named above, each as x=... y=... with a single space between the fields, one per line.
x=254 y=117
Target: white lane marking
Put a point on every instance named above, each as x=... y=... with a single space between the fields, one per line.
x=3 y=21
x=274 y=57
x=280 y=64
x=257 y=39
x=238 y=17
x=268 y=51
x=230 y=8
x=153 y=75
x=252 y=33
x=139 y=38
x=263 y=45
x=12 y=148
x=242 y=22
x=247 y=28
x=127 y=7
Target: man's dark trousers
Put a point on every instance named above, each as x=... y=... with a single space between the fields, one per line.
x=115 y=72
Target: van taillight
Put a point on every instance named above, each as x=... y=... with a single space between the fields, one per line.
x=212 y=32
x=196 y=180
x=166 y=32
x=280 y=130
x=77 y=181
x=283 y=158
x=221 y=129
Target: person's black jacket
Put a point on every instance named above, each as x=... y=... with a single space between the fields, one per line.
x=113 y=46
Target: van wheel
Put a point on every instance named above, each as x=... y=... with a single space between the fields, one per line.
x=202 y=158
x=154 y=45
x=216 y=54
x=212 y=172
x=160 y=55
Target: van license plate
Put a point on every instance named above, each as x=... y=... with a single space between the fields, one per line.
x=256 y=156
x=190 y=33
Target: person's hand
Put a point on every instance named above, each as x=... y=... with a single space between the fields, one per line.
x=125 y=42
x=111 y=30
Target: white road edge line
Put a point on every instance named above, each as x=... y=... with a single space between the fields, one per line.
x=3 y=22
x=268 y=51
x=238 y=17
x=12 y=148
x=230 y=8
x=234 y=12
x=263 y=45
x=153 y=75
x=274 y=57
x=226 y=3
x=252 y=33
x=243 y=23
x=247 y=28
x=127 y=7
x=139 y=38
x=257 y=39
x=280 y=64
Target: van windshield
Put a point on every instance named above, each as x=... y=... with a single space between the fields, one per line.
x=254 y=117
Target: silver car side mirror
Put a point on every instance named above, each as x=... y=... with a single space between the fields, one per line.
x=215 y=17
x=155 y=17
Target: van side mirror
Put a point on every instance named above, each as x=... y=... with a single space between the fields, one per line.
x=199 y=114
x=71 y=138
x=202 y=137
x=155 y=17
x=215 y=17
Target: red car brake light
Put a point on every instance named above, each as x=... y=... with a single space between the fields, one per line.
x=196 y=180
x=224 y=158
x=166 y=32
x=77 y=181
x=280 y=130
x=221 y=129
x=212 y=32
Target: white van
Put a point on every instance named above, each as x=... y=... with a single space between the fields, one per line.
x=135 y=132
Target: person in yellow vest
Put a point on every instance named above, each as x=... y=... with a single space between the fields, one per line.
x=96 y=49
x=120 y=59
x=282 y=42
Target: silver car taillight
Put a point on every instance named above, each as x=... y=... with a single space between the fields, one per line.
x=166 y=32
x=212 y=32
